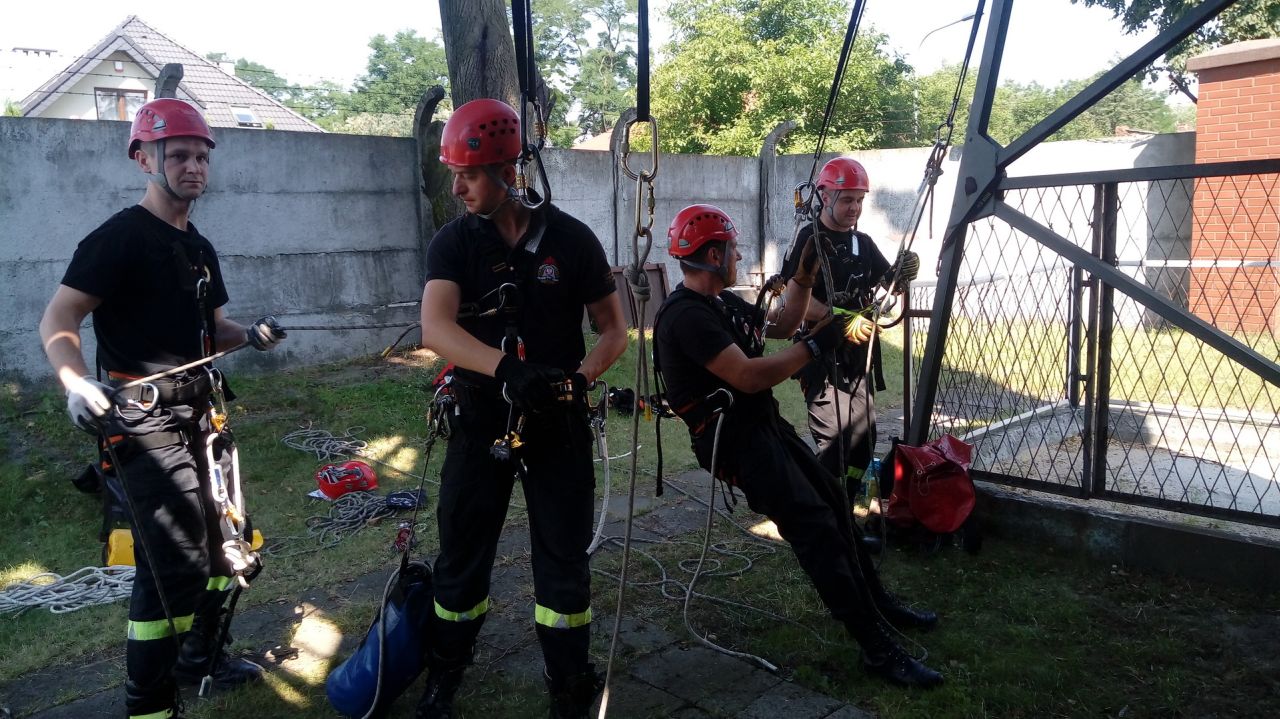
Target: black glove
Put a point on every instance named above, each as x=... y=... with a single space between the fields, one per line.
x=906 y=268
x=824 y=336
x=528 y=385
x=265 y=334
x=806 y=274
x=581 y=386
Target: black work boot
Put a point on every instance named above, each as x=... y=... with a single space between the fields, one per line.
x=902 y=616
x=572 y=697
x=443 y=680
x=883 y=656
x=193 y=663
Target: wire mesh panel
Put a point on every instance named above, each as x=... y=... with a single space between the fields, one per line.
x=1138 y=389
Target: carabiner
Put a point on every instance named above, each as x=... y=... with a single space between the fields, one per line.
x=652 y=172
x=522 y=181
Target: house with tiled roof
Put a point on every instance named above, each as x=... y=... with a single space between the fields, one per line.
x=114 y=78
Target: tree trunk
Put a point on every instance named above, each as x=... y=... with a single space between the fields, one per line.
x=479 y=50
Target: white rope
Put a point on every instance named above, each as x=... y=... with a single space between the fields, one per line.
x=86 y=587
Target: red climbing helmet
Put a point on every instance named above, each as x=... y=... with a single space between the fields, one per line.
x=844 y=173
x=167 y=117
x=695 y=226
x=335 y=480
x=481 y=132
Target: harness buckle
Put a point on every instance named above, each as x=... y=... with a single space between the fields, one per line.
x=142 y=403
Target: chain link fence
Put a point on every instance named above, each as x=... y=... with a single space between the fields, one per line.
x=1160 y=391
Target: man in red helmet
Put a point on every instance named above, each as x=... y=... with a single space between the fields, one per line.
x=709 y=351
x=505 y=293
x=155 y=289
x=836 y=389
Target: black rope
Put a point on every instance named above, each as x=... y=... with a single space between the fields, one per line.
x=851 y=32
x=526 y=67
x=642 y=63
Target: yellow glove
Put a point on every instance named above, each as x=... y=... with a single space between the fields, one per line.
x=858 y=329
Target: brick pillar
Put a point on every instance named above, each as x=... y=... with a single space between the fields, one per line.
x=1236 y=218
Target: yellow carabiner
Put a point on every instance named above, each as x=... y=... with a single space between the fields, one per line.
x=650 y=173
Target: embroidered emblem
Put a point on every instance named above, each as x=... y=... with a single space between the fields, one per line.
x=549 y=272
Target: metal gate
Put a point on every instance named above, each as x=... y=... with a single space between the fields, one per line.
x=1109 y=334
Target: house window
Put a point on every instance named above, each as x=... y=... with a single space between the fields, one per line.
x=246 y=117
x=117 y=104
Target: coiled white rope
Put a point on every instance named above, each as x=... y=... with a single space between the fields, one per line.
x=86 y=587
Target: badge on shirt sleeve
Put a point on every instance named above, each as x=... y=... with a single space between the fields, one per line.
x=549 y=272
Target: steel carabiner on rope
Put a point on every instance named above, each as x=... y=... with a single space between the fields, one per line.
x=650 y=173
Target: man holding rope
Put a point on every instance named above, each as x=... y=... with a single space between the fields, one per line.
x=709 y=351
x=506 y=287
x=836 y=388
x=155 y=289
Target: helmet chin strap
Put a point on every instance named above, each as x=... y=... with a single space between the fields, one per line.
x=830 y=208
x=721 y=270
x=510 y=194
x=163 y=180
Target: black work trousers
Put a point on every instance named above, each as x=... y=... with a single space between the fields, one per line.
x=783 y=480
x=842 y=416
x=555 y=469
x=175 y=526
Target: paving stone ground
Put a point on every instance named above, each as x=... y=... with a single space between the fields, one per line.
x=664 y=675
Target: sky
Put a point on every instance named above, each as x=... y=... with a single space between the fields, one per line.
x=1049 y=40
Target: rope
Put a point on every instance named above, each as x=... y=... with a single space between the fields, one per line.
x=86 y=587
x=342 y=328
x=706 y=542
x=347 y=516
x=851 y=32
x=638 y=283
x=327 y=446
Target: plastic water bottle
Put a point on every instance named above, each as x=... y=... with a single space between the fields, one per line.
x=871 y=482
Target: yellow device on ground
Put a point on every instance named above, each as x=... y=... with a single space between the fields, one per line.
x=119 y=547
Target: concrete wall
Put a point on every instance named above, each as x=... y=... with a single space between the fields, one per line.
x=322 y=229
x=317 y=229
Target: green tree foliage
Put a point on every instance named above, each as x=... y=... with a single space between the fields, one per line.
x=323 y=103
x=559 y=34
x=1019 y=107
x=590 y=77
x=12 y=109
x=738 y=68
x=258 y=75
x=400 y=70
x=606 y=81
x=1245 y=20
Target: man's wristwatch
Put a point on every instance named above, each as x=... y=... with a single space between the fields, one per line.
x=814 y=349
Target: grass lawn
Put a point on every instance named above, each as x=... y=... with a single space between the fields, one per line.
x=1026 y=633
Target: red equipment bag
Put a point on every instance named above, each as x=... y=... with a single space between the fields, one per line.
x=931 y=485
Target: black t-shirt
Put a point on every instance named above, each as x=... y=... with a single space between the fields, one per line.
x=857 y=267
x=559 y=268
x=145 y=272
x=691 y=329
